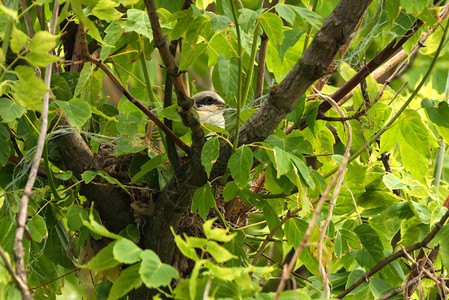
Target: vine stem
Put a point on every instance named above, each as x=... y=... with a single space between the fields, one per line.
x=239 y=82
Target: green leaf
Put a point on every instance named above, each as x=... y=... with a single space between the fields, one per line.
x=240 y=165
x=128 y=124
x=190 y=52
x=392 y=182
x=153 y=272
x=291 y=37
x=126 y=251
x=4 y=146
x=308 y=16
x=128 y=144
x=209 y=154
x=203 y=200
x=103 y=260
x=294 y=231
x=282 y=161
x=372 y=251
x=75 y=216
x=149 y=165
x=92 y=29
x=105 y=10
x=438 y=112
x=18 y=40
x=224 y=77
x=219 y=253
x=41 y=59
x=89 y=84
x=77 y=111
x=99 y=229
x=272 y=25
x=217 y=234
x=29 y=89
x=311 y=113
x=272 y=220
x=139 y=22
x=185 y=249
x=60 y=88
x=37 y=228
x=230 y=191
x=304 y=171
x=9 y=111
x=88 y=176
x=113 y=34
x=42 y=42
x=128 y=280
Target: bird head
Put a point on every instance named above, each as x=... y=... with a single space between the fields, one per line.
x=209 y=106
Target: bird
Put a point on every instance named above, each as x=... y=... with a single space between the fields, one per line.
x=210 y=106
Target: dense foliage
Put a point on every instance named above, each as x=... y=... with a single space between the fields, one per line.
x=297 y=196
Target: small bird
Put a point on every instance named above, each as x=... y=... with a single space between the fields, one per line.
x=209 y=106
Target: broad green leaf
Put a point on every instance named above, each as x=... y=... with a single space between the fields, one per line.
x=230 y=191
x=217 y=22
x=210 y=153
x=351 y=239
x=372 y=251
x=308 y=16
x=304 y=171
x=128 y=144
x=247 y=19
x=139 y=22
x=184 y=19
x=128 y=280
x=272 y=26
x=41 y=59
x=113 y=34
x=190 y=52
x=438 y=112
x=99 y=229
x=421 y=211
x=105 y=10
x=224 y=77
x=216 y=234
x=29 y=89
x=126 y=251
x=272 y=220
x=291 y=37
x=4 y=146
x=88 y=176
x=2 y=57
x=392 y=182
x=42 y=42
x=92 y=29
x=18 y=40
x=9 y=111
x=203 y=200
x=441 y=238
x=219 y=253
x=128 y=124
x=60 y=88
x=379 y=287
x=89 y=84
x=77 y=111
x=185 y=249
x=294 y=231
x=414 y=6
x=149 y=165
x=75 y=216
x=153 y=272
x=311 y=113
x=240 y=164
x=282 y=160
x=103 y=260
x=37 y=228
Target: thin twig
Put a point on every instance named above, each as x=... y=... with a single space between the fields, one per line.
x=290 y=214
x=336 y=179
x=396 y=255
x=437 y=280
x=19 y=255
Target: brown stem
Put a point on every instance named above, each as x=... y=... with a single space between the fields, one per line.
x=261 y=67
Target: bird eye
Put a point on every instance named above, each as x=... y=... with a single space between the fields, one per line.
x=209 y=100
